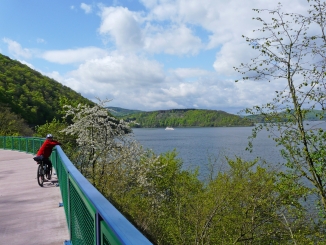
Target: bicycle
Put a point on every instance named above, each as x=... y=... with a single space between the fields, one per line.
x=43 y=170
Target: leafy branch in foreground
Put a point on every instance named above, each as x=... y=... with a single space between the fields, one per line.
x=292 y=50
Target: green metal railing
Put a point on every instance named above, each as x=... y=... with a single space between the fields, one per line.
x=91 y=218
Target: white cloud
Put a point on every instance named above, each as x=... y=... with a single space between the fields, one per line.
x=235 y=21
x=123 y=26
x=179 y=27
x=204 y=13
x=125 y=79
x=224 y=22
x=87 y=8
x=210 y=92
x=122 y=71
x=138 y=83
x=132 y=32
x=183 y=73
x=73 y=55
x=17 y=50
x=175 y=41
x=182 y=90
x=232 y=54
x=171 y=27
x=161 y=11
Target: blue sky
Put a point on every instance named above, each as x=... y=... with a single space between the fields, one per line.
x=145 y=54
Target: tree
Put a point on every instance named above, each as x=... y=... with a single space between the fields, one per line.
x=100 y=138
x=12 y=124
x=291 y=48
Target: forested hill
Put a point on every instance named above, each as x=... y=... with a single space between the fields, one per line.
x=31 y=95
x=311 y=115
x=185 y=118
x=121 y=112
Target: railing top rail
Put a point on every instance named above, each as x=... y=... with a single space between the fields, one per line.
x=122 y=228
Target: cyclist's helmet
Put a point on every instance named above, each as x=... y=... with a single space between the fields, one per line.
x=49 y=136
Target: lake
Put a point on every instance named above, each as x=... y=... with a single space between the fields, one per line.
x=197 y=145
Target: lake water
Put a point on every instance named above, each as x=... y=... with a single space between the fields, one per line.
x=197 y=145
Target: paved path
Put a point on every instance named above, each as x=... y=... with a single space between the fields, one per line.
x=29 y=214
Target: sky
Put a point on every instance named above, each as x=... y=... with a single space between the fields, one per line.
x=142 y=54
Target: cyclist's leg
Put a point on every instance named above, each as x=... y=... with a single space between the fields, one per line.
x=47 y=162
x=49 y=168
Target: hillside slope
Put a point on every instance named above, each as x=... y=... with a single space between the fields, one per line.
x=121 y=112
x=185 y=118
x=312 y=115
x=33 y=96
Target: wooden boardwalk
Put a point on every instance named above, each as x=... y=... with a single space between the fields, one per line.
x=29 y=214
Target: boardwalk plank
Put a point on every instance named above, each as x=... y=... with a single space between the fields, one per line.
x=29 y=214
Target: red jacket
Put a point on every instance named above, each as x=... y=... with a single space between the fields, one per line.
x=46 y=148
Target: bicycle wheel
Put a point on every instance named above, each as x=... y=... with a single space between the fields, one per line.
x=40 y=175
x=49 y=173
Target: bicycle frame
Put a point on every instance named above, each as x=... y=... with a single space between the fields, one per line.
x=42 y=170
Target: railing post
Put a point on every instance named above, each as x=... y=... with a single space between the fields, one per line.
x=69 y=212
x=98 y=228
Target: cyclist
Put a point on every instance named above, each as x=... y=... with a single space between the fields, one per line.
x=46 y=150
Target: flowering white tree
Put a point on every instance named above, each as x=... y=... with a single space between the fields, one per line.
x=106 y=149
x=99 y=136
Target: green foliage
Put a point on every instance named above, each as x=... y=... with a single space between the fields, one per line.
x=185 y=118
x=248 y=204
x=12 y=124
x=292 y=49
x=311 y=115
x=54 y=127
x=36 y=98
x=120 y=112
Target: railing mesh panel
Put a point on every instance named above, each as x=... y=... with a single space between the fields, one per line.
x=64 y=188
x=15 y=143
x=105 y=241
x=82 y=223
x=107 y=237
x=30 y=145
x=22 y=144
